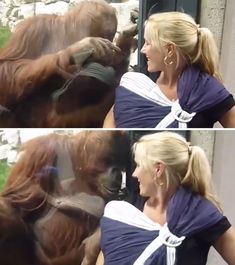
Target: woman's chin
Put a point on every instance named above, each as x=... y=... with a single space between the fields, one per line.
x=141 y=192
x=151 y=69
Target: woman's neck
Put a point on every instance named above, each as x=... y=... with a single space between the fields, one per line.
x=156 y=206
x=167 y=82
x=159 y=202
x=170 y=75
x=168 y=78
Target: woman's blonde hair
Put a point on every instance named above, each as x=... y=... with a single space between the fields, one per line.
x=195 y=44
x=186 y=165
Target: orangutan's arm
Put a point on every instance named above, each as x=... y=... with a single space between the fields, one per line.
x=92 y=248
x=28 y=75
x=127 y=43
x=86 y=254
x=125 y=40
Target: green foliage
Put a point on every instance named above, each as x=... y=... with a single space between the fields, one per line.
x=4 y=170
x=4 y=35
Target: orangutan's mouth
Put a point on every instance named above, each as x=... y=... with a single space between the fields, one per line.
x=112 y=182
x=112 y=190
x=115 y=193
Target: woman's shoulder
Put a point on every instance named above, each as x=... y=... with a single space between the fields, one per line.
x=119 y=208
x=195 y=74
x=212 y=233
x=194 y=249
x=135 y=81
x=200 y=91
x=125 y=212
x=136 y=77
x=211 y=82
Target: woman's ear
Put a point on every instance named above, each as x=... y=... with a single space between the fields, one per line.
x=159 y=169
x=170 y=50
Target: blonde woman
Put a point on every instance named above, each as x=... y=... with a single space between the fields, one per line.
x=181 y=217
x=188 y=91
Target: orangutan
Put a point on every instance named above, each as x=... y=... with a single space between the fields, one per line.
x=61 y=71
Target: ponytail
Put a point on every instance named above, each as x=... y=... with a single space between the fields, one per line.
x=198 y=175
x=207 y=56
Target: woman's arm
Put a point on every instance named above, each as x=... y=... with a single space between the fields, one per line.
x=225 y=246
x=228 y=119
x=109 y=121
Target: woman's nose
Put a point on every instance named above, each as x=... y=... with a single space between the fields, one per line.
x=134 y=174
x=143 y=49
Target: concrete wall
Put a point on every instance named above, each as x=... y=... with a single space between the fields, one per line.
x=228 y=47
x=205 y=139
x=212 y=17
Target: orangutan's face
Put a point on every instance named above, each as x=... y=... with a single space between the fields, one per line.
x=107 y=26
x=101 y=162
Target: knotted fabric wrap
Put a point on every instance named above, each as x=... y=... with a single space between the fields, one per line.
x=176 y=114
x=129 y=237
x=140 y=103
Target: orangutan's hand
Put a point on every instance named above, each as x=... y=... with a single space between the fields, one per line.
x=126 y=39
x=88 y=49
x=130 y=31
x=134 y=15
x=94 y=48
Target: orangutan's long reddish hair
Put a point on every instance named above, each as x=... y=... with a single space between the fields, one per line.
x=24 y=199
x=34 y=175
